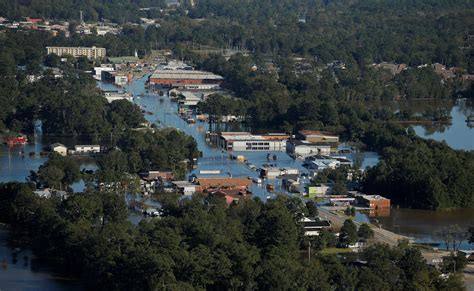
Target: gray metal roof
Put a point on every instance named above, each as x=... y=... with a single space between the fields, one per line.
x=185 y=74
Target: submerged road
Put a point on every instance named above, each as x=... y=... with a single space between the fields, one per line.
x=164 y=114
x=380 y=235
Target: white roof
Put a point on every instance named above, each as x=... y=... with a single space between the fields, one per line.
x=190 y=96
x=57 y=144
x=184 y=75
x=183 y=184
x=251 y=137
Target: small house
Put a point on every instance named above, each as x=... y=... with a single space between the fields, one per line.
x=59 y=148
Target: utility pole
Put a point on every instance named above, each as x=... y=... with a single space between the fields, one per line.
x=309 y=251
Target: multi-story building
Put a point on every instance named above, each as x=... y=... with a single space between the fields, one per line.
x=89 y=52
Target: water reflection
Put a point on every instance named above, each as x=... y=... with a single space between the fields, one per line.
x=18 y=271
x=456 y=133
x=164 y=113
x=422 y=224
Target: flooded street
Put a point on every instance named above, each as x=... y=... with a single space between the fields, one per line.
x=420 y=224
x=423 y=224
x=165 y=115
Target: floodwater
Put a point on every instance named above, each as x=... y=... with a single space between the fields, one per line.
x=424 y=224
x=165 y=115
x=15 y=167
x=457 y=134
x=24 y=273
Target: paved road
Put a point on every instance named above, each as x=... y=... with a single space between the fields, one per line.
x=381 y=235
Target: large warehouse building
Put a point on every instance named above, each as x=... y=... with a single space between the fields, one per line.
x=245 y=141
x=185 y=79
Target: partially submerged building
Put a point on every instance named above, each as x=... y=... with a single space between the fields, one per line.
x=318 y=137
x=303 y=148
x=375 y=202
x=186 y=79
x=245 y=141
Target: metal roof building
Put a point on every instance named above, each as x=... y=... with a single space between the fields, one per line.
x=184 y=77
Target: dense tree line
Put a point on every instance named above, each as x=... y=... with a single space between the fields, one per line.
x=218 y=105
x=413 y=172
x=68 y=105
x=359 y=32
x=200 y=243
x=420 y=173
x=164 y=150
x=329 y=100
x=71 y=105
x=117 y=10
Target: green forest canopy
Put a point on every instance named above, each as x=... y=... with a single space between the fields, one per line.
x=200 y=243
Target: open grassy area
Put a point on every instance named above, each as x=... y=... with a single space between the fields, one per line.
x=332 y=251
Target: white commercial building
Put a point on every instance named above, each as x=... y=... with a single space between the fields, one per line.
x=304 y=148
x=245 y=141
x=321 y=162
x=274 y=172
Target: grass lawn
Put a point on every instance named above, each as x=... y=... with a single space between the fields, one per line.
x=332 y=251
